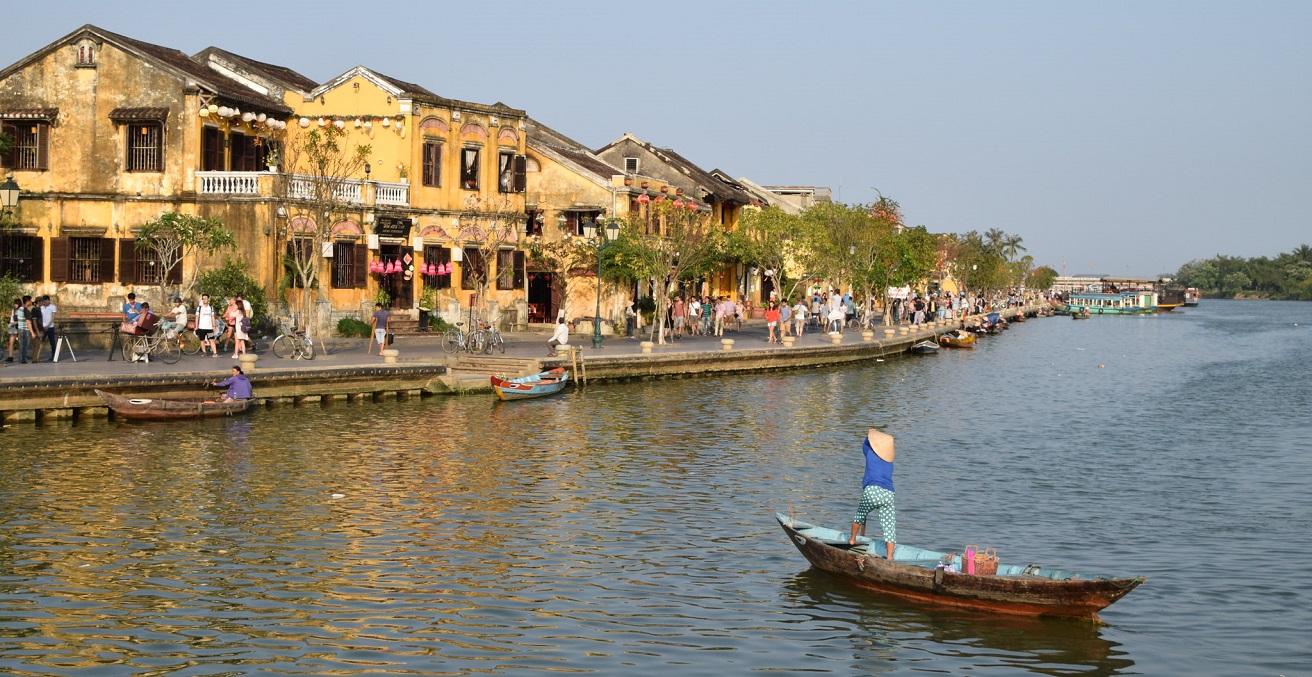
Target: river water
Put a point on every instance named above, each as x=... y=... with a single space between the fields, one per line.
x=630 y=527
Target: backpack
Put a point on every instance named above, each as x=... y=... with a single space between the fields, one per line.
x=245 y=325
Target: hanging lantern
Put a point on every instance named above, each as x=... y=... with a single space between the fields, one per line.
x=387 y=122
x=212 y=108
x=692 y=207
x=643 y=199
x=322 y=122
x=247 y=116
x=446 y=269
x=224 y=111
x=305 y=122
x=261 y=117
x=368 y=125
x=678 y=204
x=340 y=124
x=375 y=266
x=357 y=123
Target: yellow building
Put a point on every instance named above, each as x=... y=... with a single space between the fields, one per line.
x=109 y=133
x=444 y=186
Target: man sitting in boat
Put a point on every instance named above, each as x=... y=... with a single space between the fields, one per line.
x=239 y=387
x=877 y=489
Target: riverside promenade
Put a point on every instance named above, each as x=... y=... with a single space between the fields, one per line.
x=351 y=370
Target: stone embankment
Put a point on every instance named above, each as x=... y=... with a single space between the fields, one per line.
x=50 y=392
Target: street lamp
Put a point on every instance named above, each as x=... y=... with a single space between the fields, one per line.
x=9 y=195
x=610 y=233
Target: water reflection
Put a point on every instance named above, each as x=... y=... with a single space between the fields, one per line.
x=629 y=526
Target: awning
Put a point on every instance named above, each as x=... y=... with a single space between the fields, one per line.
x=40 y=114
x=139 y=114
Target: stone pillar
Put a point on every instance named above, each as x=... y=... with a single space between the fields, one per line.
x=248 y=362
x=726 y=344
x=788 y=341
x=646 y=346
x=868 y=335
x=389 y=355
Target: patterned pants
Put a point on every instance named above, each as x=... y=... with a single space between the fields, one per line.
x=872 y=498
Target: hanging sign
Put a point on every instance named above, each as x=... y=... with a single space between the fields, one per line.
x=392 y=226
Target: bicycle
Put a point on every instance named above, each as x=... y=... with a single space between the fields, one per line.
x=474 y=341
x=862 y=321
x=493 y=340
x=294 y=343
x=162 y=346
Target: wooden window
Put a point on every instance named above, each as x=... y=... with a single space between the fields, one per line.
x=142 y=266
x=469 y=168
x=521 y=174
x=437 y=256
x=246 y=154
x=506 y=172
x=432 y=163
x=533 y=222
x=81 y=260
x=146 y=147
x=344 y=264
x=518 y=265
x=211 y=150
x=505 y=269
x=472 y=268
x=301 y=247
x=630 y=165
x=31 y=146
x=22 y=256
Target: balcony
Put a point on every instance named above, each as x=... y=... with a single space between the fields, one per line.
x=301 y=187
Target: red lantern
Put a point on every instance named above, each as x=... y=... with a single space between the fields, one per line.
x=692 y=207
x=444 y=269
x=678 y=204
x=643 y=199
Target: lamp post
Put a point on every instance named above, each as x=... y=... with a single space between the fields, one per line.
x=600 y=238
x=8 y=196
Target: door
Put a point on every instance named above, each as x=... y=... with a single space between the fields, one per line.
x=398 y=287
x=541 y=298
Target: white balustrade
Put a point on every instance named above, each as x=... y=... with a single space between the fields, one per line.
x=230 y=183
x=395 y=194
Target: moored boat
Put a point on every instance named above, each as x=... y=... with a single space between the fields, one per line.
x=1191 y=296
x=537 y=385
x=1120 y=303
x=914 y=573
x=958 y=339
x=164 y=409
x=925 y=348
x=1081 y=314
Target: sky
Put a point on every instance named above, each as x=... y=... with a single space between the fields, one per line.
x=1115 y=137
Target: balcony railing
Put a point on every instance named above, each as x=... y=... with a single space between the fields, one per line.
x=302 y=187
x=230 y=183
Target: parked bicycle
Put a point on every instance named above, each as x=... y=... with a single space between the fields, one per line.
x=473 y=341
x=493 y=340
x=863 y=320
x=293 y=343
x=160 y=346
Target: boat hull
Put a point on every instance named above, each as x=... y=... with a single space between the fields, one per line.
x=1024 y=595
x=967 y=342
x=528 y=387
x=166 y=409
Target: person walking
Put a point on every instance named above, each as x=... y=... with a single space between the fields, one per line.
x=799 y=318
x=241 y=327
x=558 y=338
x=877 y=489
x=631 y=319
x=48 y=328
x=379 y=321
x=205 y=326
x=23 y=322
x=771 y=322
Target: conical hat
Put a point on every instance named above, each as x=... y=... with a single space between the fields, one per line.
x=882 y=443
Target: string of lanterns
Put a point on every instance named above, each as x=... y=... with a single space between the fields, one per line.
x=393 y=267
x=677 y=204
x=358 y=121
x=247 y=117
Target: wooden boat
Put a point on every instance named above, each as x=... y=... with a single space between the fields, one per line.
x=1081 y=315
x=925 y=348
x=172 y=408
x=538 y=385
x=1118 y=303
x=915 y=574
x=959 y=339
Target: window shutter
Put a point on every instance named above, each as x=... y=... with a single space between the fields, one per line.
x=106 y=260
x=519 y=267
x=127 y=262
x=7 y=160
x=39 y=260
x=521 y=173
x=59 y=259
x=359 y=255
x=43 y=147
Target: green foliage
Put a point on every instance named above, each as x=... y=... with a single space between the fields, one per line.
x=350 y=327
x=10 y=289
x=1041 y=278
x=383 y=298
x=174 y=237
x=1288 y=276
x=229 y=281
x=437 y=324
x=646 y=305
x=6 y=144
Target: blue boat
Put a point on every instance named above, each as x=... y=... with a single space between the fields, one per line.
x=541 y=384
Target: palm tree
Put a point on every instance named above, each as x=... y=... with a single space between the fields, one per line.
x=1303 y=252
x=994 y=239
x=1011 y=246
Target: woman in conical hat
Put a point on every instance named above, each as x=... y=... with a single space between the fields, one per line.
x=877 y=489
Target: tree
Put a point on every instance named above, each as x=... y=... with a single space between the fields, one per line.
x=681 y=243
x=317 y=191
x=561 y=258
x=175 y=237
x=1042 y=277
x=488 y=225
x=766 y=238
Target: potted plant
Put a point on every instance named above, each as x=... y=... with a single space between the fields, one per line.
x=271 y=160
x=403 y=171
